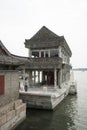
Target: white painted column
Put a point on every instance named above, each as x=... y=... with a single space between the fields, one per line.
x=55 y=77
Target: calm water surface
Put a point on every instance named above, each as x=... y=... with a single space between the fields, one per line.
x=71 y=114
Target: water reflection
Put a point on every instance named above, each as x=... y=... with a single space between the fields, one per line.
x=66 y=113
x=63 y=118
x=81 y=120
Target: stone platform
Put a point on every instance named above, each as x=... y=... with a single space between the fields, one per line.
x=44 y=98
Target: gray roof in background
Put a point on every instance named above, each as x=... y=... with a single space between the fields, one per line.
x=9 y=58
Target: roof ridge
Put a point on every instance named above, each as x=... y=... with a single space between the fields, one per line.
x=44 y=33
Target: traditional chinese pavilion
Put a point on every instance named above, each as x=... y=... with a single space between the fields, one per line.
x=48 y=68
x=49 y=58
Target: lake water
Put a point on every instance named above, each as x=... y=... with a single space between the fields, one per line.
x=71 y=114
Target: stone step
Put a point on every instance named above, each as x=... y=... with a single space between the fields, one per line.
x=17 y=103
x=20 y=108
x=10 y=106
x=13 y=117
x=6 y=108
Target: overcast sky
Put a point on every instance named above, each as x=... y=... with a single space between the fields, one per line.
x=21 y=19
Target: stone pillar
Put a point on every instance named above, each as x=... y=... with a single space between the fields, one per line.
x=60 y=53
x=30 y=78
x=39 y=53
x=24 y=76
x=34 y=77
x=44 y=53
x=43 y=76
x=29 y=52
x=23 y=83
x=60 y=78
x=49 y=53
x=55 y=77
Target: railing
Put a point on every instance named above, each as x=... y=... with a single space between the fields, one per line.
x=46 y=59
x=48 y=62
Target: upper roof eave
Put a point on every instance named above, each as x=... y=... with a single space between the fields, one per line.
x=43 y=35
x=39 y=40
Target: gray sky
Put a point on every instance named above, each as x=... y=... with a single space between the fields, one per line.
x=21 y=19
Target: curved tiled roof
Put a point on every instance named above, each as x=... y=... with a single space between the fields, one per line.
x=44 y=35
x=45 y=38
x=7 y=58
